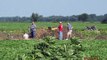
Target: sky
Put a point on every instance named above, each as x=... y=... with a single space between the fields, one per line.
x=52 y=7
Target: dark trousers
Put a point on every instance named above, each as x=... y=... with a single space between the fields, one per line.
x=33 y=34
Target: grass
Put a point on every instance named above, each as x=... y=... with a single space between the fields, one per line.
x=16 y=26
x=10 y=49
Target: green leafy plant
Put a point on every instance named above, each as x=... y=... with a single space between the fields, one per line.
x=47 y=50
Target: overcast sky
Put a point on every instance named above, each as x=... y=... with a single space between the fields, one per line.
x=52 y=7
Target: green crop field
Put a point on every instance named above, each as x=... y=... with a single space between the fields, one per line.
x=95 y=44
x=10 y=50
x=14 y=26
x=95 y=48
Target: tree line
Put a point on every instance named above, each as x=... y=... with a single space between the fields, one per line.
x=36 y=17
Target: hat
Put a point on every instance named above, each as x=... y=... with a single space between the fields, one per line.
x=67 y=23
x=60 y=22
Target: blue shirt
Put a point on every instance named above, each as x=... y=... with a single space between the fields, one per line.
x=69 y=27
x=33 y=27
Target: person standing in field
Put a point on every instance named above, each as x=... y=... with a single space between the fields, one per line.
x=69 y=33
x=60 y=28
x=33 y=30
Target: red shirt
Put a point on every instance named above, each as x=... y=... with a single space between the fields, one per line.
x=60 y=27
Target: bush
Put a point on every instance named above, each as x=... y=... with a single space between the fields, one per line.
x=47 y=50
x=104 y=21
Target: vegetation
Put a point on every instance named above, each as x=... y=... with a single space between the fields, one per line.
x=17 y=28
x=14 y=49
x=83 y=17
x=47 y=50
x=35 y=17
x=6 y=26
x=104 y=21
x=22 y=49
x=95 y=49
x=10 y=49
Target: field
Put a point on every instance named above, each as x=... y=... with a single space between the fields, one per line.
x=16 y=30
x=9 y=49
x=95 y=43
x=14 y=26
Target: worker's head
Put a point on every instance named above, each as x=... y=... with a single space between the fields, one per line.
x=33 y=22
x=60 y=22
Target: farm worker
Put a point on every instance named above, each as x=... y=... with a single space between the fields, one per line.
x=26 y=36
x=32 y=30
x=69 y=33
x=60 y=27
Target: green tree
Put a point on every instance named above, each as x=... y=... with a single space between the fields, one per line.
x=105 y=16
x=92 y=17
x=83 y=17
x=104 y=21
x=35 y=17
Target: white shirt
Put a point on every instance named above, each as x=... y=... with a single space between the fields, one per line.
x=26 y=36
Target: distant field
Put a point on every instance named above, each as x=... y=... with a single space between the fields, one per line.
x=17 y=28
x=24 y=26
